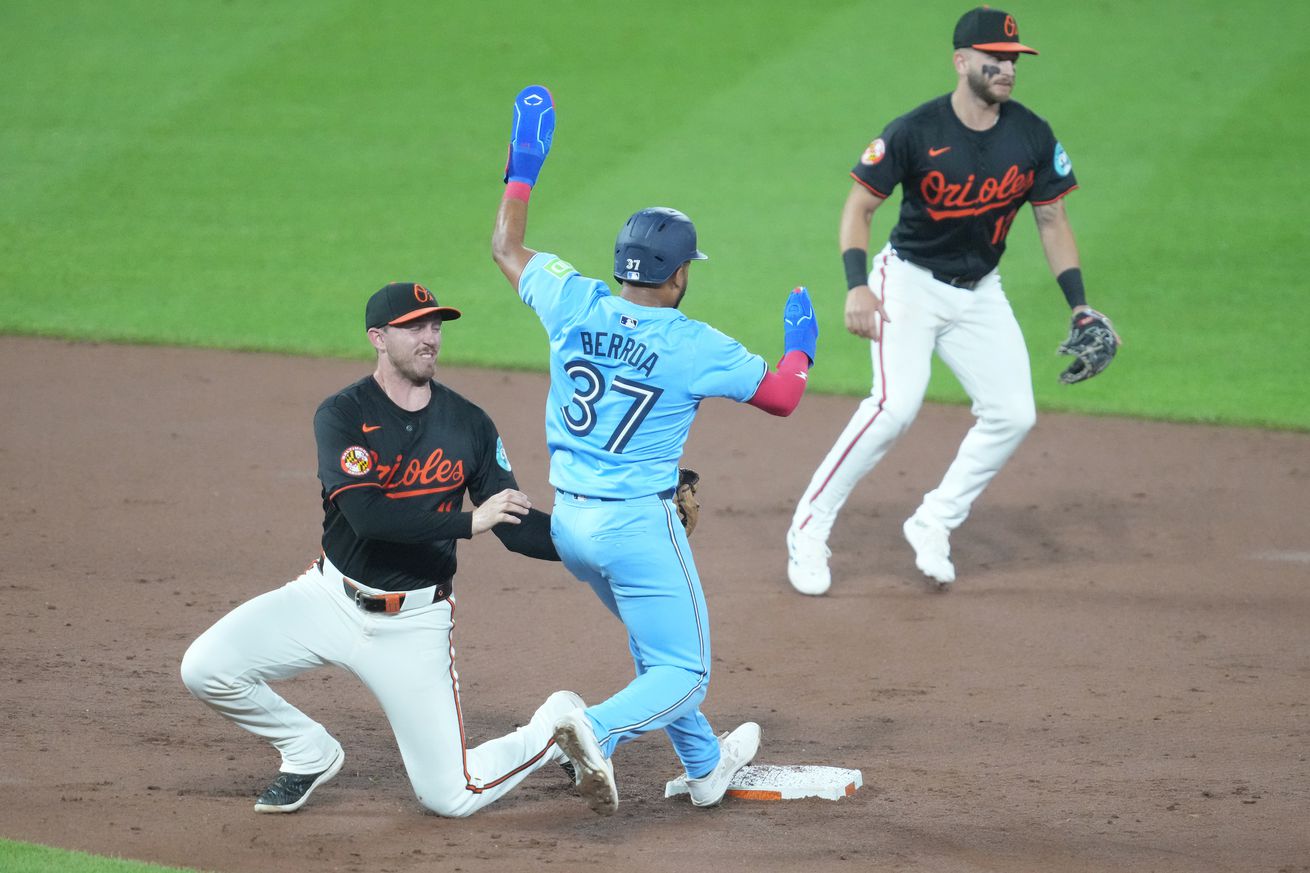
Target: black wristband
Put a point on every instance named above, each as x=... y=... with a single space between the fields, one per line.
x=856 y=262
x=1071 y=283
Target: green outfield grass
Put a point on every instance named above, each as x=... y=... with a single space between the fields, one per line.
x=29 y=858
x=243 y=174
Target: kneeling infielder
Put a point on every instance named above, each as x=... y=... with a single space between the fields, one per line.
x=397 y=452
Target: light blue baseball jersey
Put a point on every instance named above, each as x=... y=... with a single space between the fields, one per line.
x=625 y=381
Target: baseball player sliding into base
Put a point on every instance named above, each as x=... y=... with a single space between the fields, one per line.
x=627 y=374
x=966 y=162
x=397 y=453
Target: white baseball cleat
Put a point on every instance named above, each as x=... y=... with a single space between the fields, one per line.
x=932 y=548
x=556 y=706
x=807 y=562
x=593 y=771
x=736 y=750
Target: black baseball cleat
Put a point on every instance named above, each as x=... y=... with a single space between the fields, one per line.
x=289 y=791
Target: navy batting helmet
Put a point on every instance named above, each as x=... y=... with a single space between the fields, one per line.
x=653 y=245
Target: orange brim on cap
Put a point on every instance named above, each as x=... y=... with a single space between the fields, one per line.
x=447 y=313
x=1004 y=47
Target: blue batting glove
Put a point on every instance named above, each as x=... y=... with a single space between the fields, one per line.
x=800 y=330
x=534 y=126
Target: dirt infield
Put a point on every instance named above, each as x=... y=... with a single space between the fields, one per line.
x=1120 y=681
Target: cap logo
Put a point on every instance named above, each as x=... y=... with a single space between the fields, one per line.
x=421 y=294
x=1011 y=29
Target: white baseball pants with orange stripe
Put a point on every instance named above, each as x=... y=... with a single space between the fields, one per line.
x=976 y=334
x=405 y=659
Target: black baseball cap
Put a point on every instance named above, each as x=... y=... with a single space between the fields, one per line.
x=989 y=30
x=400 y=302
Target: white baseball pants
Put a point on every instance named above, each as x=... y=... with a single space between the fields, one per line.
x=405 y=659
x=976 y=334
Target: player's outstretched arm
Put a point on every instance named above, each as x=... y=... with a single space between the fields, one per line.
x=864 y=310
x=780 y=391
x=531 y=537
x=534 y=128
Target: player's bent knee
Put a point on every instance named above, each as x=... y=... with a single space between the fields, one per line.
x=456 y=803
x=693 y=701
x=447 y=810
x=196 y=675
x=204 y=673
x=892 y=416
x=1012 y=420
x=1020 y=419
x=700 y=687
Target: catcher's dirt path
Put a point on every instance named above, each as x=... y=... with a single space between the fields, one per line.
x=1119 y=681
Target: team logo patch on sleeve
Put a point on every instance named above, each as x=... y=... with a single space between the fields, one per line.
x=355 y=461
x=1063 y=166
x=559 y=268
x=873 y=154
x=501 y=457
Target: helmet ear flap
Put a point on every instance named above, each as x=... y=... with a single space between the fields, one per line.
x=632 y=261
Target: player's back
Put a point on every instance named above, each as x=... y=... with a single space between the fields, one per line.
x=626 y=381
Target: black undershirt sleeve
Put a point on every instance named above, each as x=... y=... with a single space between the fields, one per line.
x=372 y=516
x=530 y=537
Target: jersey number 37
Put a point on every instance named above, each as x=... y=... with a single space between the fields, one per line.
x=590 y=388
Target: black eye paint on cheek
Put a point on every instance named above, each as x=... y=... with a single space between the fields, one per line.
x=990 y=71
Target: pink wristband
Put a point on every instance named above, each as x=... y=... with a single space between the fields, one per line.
x=518 y=190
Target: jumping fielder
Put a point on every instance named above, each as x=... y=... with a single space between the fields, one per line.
x=628 y=373
x=397 y=452
x=966 y=162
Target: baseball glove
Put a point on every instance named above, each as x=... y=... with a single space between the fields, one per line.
x=685 y=498
x=1093 y=341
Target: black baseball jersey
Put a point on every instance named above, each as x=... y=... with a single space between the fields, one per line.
x=961 y=188
x=394 y=483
